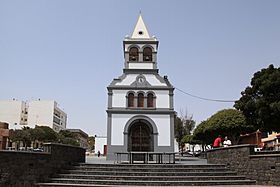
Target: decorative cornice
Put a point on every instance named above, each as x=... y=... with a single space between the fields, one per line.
x=139 y=111
x=109 y=88
x=140 y=71
x=140 y=41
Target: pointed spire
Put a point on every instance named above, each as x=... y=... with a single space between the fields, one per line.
x=140 y=29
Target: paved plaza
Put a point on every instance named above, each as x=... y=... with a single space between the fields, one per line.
x=184 y=160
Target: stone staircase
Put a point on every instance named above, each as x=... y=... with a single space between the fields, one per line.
x=147 y=175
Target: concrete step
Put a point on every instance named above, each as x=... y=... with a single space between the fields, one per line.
x=155 y=183
x=150 y=165
x=157 y=169
x=100 y=185
x=70 y=185
x=150 y=178
x=149 y=173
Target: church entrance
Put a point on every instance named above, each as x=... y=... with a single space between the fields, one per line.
x=140 y=136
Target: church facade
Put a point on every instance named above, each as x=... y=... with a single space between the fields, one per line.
x=140 y=114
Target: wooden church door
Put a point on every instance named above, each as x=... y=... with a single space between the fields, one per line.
x=140 y=137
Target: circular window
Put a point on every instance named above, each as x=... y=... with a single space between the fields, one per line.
x=140 y=32
x=140 y=79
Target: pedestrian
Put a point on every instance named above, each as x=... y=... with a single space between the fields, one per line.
x=98 y=153
x=226 y=142
x=264 y=148
x=218 y=142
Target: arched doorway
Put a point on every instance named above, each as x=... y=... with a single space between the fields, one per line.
x=140 y=136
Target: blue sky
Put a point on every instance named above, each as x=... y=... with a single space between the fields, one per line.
x=69 y=51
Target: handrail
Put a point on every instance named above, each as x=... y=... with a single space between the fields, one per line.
x=145 y=157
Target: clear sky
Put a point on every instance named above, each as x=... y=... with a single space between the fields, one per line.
x=69 y=51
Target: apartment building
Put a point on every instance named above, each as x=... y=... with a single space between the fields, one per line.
x=31 y=113
x=46 y=113
x=14 y=113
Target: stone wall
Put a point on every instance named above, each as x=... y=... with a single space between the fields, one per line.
x=262 y=167
x=25 y=169
x=4 y=134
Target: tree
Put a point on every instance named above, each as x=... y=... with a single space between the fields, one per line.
x=25 y=137
x=36 y=136
x=183 y=126
x=15 y=136
x=189 y=124
x=180 y=132
x=67 y=134
x=91 y=142
x=41 y=134
x=191 y=140
x=228 y=122
x=201 y=136
x=260 y=102
x=21 y=136
x=49 y=135
x=67 y=137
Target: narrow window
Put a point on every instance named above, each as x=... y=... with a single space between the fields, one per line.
x=147 y=54
x=130 y=100
x=150 y=100
x=133 y=54
x=140 y=100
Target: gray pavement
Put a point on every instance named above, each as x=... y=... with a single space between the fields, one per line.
x=97 y=160
x=180 y=160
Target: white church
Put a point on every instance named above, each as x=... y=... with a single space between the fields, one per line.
x=140 y=102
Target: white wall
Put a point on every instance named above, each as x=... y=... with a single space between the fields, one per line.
x=128 y=80
x=163 y=125
x=40 y=113
x=139 y=65
x=12 y=112
x=119 y=121
x=99 y=144
x=119 y=98
x=118 y=124
x=153 y=80
x=162 y=98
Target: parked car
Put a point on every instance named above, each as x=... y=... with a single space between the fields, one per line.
x=257 y=149
x=10 y=148
x=38 y=150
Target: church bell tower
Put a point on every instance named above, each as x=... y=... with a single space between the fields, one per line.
x=140 y=113
x=140 y=50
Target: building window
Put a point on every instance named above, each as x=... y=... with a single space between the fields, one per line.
x=130 y=98
x=140 y=100
x=147 y=54
x=150 y=100
x=133 y=54
x=56 y=120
